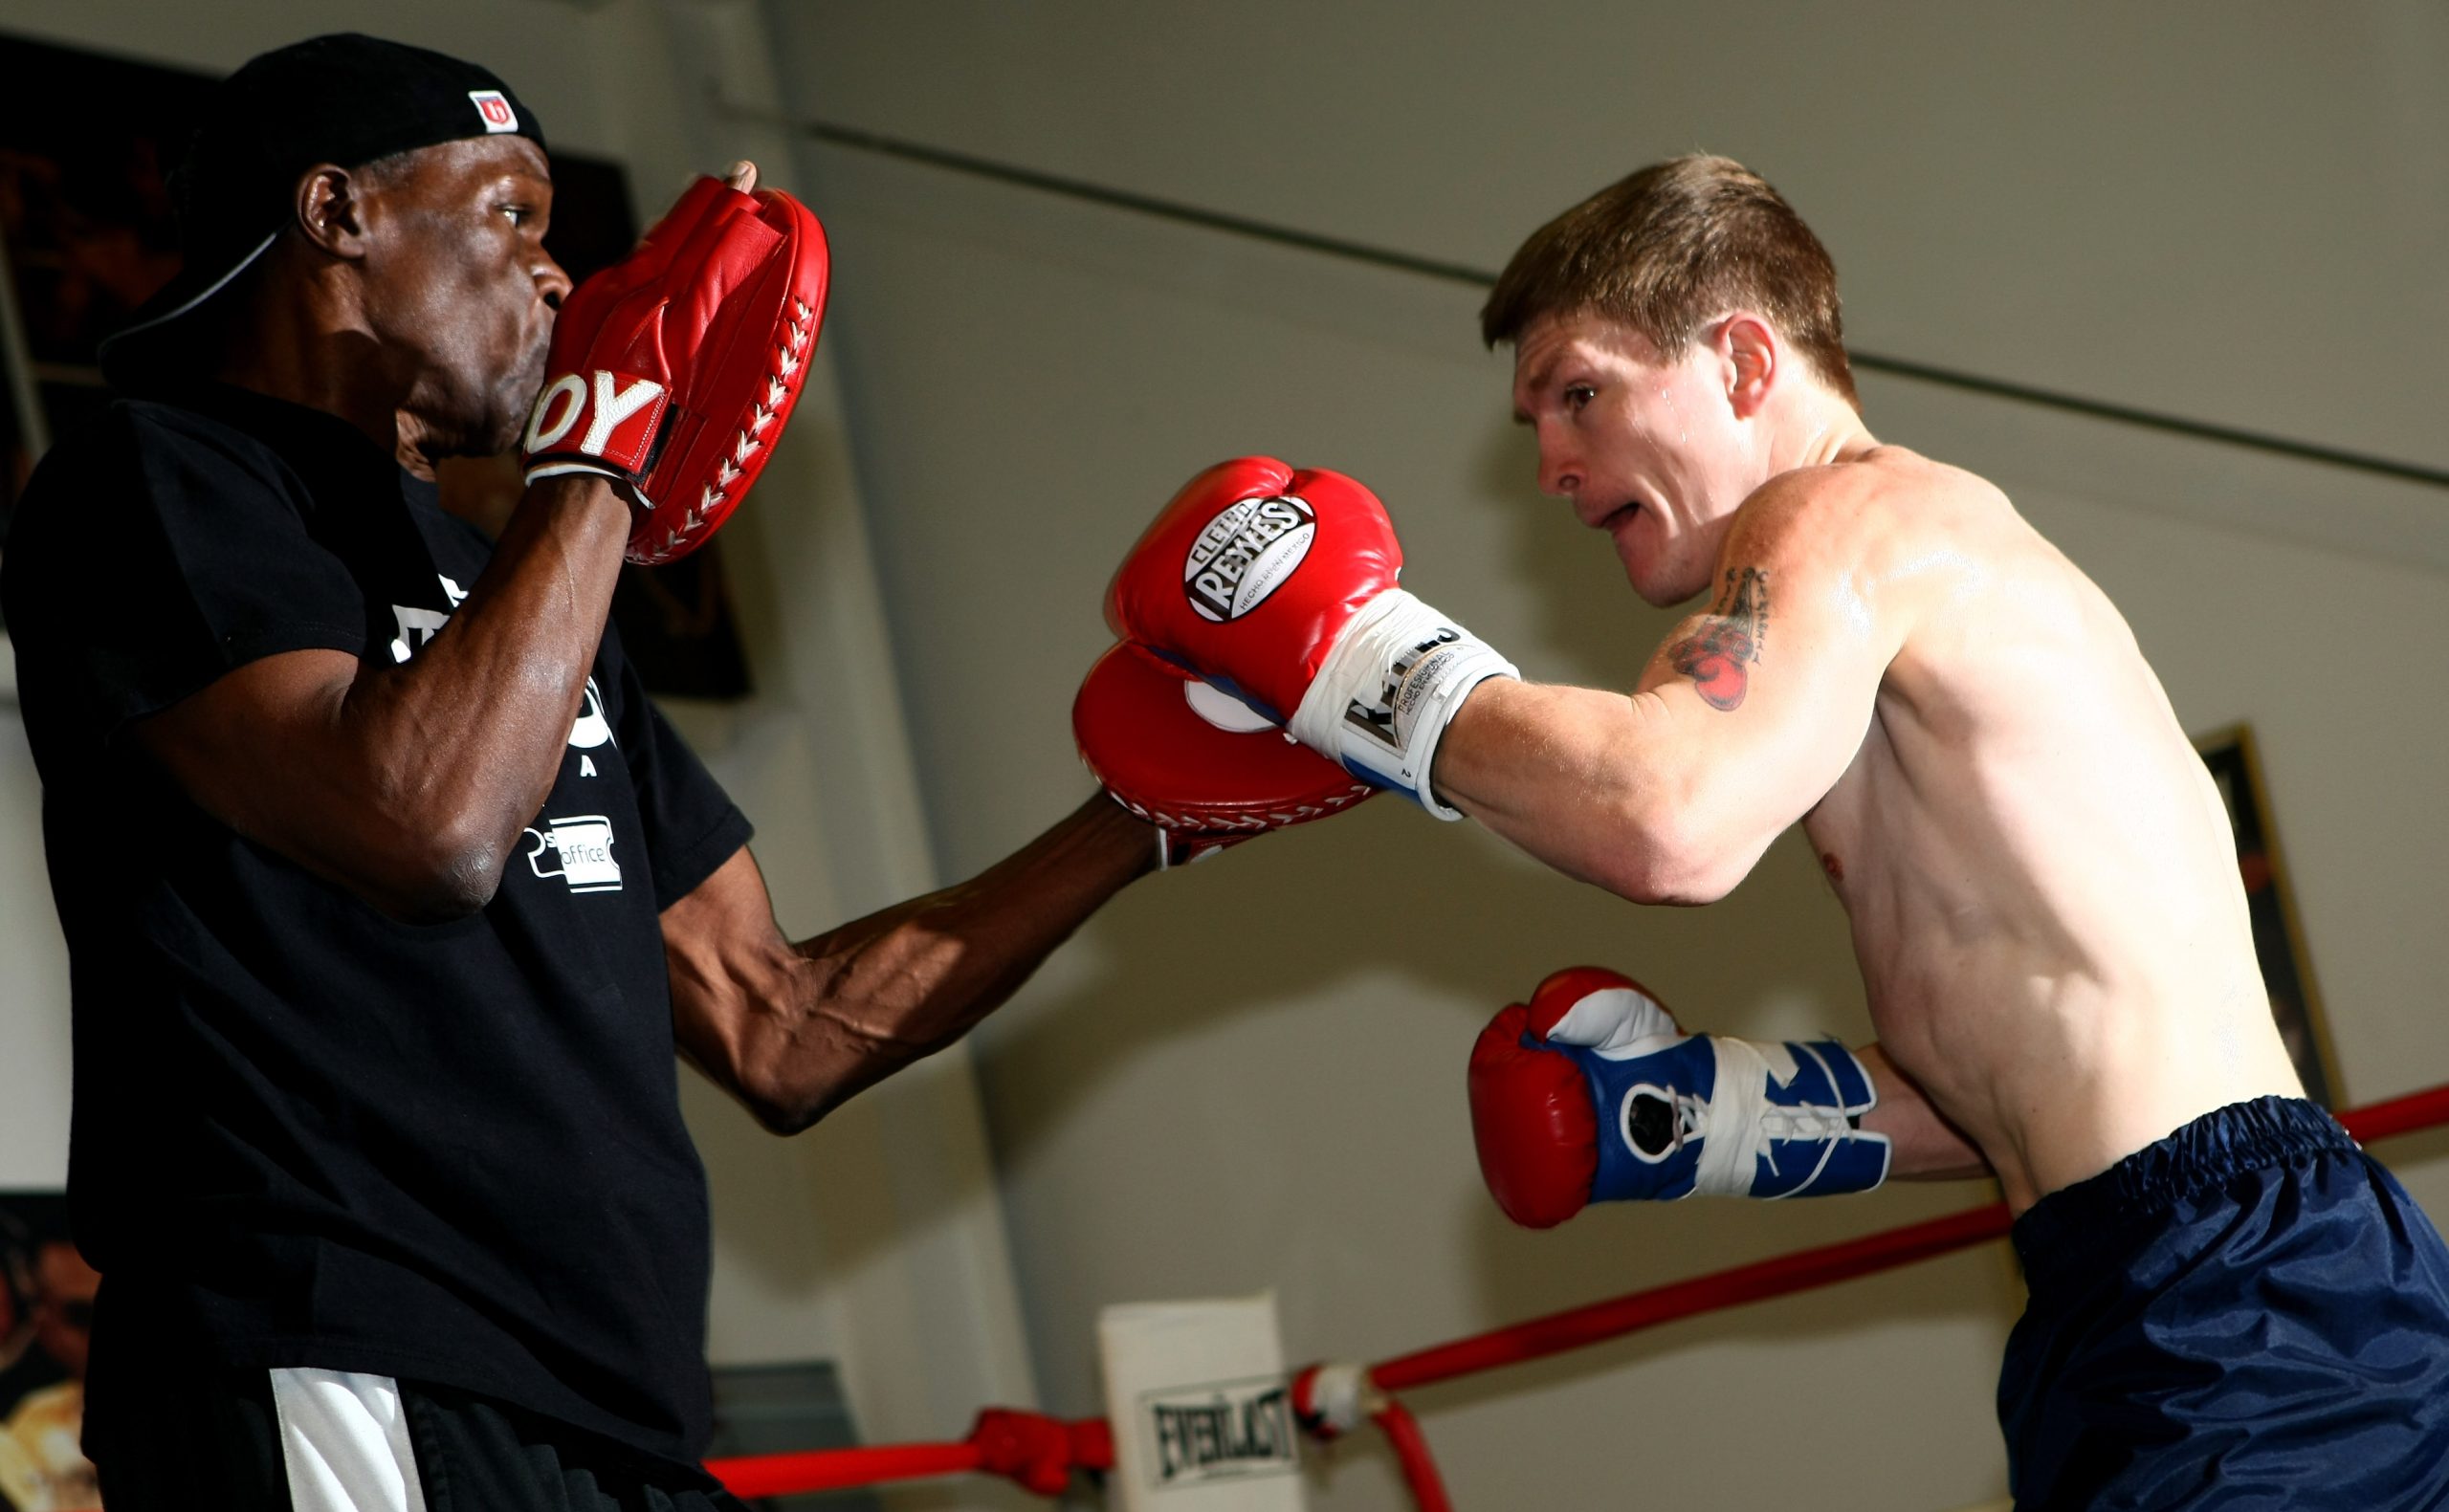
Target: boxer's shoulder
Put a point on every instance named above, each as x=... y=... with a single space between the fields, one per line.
x=1883 y=526
x=1882 y=493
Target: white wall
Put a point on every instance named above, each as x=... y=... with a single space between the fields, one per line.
x=33 y=975
x=1251 y=1075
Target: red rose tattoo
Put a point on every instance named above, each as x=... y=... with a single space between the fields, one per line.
x=1719 y=656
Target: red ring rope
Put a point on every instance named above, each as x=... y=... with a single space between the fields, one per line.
x=1036 y=1451
x=1411 y=1453
x=1040 y=1451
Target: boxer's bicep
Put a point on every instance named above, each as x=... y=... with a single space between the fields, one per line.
x=1745 y=717
x=1762 y=699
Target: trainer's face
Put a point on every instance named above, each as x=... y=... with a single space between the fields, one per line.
x=458 y=282
x=1646 y=446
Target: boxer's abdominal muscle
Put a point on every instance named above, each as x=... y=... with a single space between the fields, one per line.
x=2040 y=879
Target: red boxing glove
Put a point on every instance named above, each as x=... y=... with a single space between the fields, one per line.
x=1279 y=587
x=1257 y=564
x=1196 y=764
x=1594 y=1093
x=1531 y=1112
x=673 y=371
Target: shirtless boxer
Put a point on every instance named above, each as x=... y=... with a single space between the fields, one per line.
x=2228 y=1298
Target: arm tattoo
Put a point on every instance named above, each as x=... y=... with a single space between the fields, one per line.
x=1717 y=656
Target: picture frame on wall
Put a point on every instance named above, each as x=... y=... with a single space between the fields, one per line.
x=87 y=230
x=2278 y=933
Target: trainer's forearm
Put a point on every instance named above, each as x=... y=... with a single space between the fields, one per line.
x=863 y=1000
x=463 y=741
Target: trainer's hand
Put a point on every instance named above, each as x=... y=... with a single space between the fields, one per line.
x=1196 y=764
x=1590 y=1091
x=673 y=371
x=1278 y=587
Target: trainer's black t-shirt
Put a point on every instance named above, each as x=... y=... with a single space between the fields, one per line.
x=306 y=1133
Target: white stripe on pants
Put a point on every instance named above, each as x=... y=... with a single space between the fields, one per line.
x=344 y=1440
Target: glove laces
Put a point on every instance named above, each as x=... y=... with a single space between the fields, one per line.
x=1748 y=1126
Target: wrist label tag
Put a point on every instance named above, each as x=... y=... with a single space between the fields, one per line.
x=1381 y=701
x=613 y=416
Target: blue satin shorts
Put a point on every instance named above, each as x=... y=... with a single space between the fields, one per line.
x=2249 y=1314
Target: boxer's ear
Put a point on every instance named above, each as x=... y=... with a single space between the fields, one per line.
x=331 y=209
x=1750 y=353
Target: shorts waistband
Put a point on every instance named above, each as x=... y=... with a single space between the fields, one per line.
x=2223 y=1142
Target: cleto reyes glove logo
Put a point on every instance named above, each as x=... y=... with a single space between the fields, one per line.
x=623 y=415
x=1245 y=553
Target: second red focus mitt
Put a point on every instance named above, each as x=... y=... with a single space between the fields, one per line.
x=1196 y=763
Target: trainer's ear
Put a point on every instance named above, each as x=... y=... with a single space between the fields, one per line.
x=331 y=209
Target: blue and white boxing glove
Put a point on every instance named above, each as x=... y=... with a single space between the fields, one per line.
x=1592 y=1092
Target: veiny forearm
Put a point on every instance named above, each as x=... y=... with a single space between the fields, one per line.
x=796 y=1029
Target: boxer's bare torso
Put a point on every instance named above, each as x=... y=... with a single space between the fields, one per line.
x=2038 y=871
x=2040 y=877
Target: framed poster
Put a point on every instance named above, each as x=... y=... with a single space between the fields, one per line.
x=85 y=221
x=2279 y=937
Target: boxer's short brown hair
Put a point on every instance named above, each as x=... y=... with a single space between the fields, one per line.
x=1670 y=248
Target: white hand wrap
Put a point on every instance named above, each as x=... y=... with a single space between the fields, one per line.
x=1396 y=675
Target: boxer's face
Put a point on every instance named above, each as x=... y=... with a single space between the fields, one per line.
x=1646 y=446
x=458 y=283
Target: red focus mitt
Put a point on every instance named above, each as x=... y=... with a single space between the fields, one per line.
x=673 y=371
x=1196 y=763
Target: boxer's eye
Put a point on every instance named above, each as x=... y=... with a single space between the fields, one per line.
x=1577 y=396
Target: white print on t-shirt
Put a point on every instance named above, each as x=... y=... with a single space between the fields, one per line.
x=582 y=847
x=417 y=626
x=420 y=625
x=591 y=729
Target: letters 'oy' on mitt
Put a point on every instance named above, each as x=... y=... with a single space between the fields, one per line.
x=674 y=371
